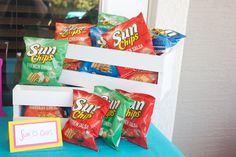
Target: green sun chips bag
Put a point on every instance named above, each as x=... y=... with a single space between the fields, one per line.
x=43 y=61
x=108 y=20
x=114 y=119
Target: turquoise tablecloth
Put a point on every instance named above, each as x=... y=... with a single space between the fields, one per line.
x=159 y=146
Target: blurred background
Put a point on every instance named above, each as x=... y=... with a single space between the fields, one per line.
x=19 y=18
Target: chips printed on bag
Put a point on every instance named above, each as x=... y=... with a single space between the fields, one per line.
x=164 y=39
x=98 y=68
x=108 y=20
x=138 y=75
x=85 y=119
x=43 y=61
x=114 y=119
x=43 y=111
x=74 y=33
x=132 y=35
x=138 y=118
x=143 y=76
x=72 y=64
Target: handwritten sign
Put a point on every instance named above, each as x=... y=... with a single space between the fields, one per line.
x=35 y=134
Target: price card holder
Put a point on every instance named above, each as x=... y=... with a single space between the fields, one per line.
x=34 y=134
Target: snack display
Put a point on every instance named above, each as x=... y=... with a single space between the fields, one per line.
x=43 y=111
x=132 y=35
x=138 y=118
x=110 y=114
x=108 y=20
x=98 y=68
x=164 y=39
x=85 y=119
x=74 y=33
x=114 y=119
x=43 y=61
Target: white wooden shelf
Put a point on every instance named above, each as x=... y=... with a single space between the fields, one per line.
x=62 y=96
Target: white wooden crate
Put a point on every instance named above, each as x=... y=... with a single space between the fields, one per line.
x=62 y=96
x=162 y=64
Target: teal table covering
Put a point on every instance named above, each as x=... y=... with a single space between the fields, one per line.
x=159 y=146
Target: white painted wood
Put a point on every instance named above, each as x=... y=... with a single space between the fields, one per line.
x=115 y=57
x=152 y=13
x=47 y=96
x=121 y=58
x=90 y=80
x=206 y=111
x=169 y=14
x=127 y=8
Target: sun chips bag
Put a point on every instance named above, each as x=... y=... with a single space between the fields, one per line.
x=43 y=61
x=114 y=119
x=85 y=119
x=132 y=35
x=74 y=33
x=138 y=118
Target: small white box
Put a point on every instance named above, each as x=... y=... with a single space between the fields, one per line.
x=40 y=96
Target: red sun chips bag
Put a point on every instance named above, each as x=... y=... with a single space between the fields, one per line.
x=132 y=35
x=138 y=118
x=74 y=33
x=85 y=119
